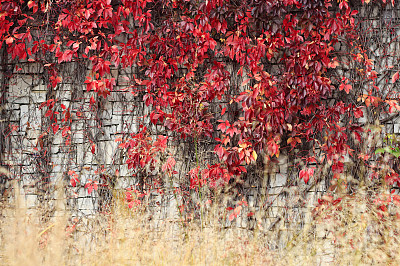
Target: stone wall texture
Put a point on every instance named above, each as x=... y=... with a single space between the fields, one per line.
x=38 y=156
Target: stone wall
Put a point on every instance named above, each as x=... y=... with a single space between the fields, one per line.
x=39 y=158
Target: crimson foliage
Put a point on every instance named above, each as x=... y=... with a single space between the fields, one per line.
x=254 y=77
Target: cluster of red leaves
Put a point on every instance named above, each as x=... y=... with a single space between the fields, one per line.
x=213 y=176
x=180 y=48
x=142 y=150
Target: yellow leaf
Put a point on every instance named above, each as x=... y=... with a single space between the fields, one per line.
x=255 y=155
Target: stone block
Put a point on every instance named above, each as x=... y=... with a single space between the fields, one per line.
x=88 y=158
x=28 y=169
x=114 y=73
x=118 y=108
x=55 y=149
x=130 y=127
x=19 y=86
x=33 y=135
x=116 y=120
x=38 y=97
x=86 y=204
x=11 y=106
x=280 y=180
x=396 y=128
x=58 y=139
x=21 y=100
x=123 y=170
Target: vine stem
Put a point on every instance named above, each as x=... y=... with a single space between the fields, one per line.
x=197 y=165
x=176 y=200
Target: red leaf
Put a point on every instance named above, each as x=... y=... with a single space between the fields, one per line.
x=89 y=186
x=240 y=72
x=67 y=115
x=55 y=128
x=244 y=83
x=222 y=127
x=345 y=87
x=235 y=213
x=358 y=113
x=231 y=131
x=396 y=199
x=74 y=180
x=48 y=113
x=9 y=40
x=310 y=171
x=305 y=174
x=223 y=111
x=273 y=148
x=93 y=148
x=231 y=217
x=336 y=201
x=30 y=4
x=169 y=164
x=92 y=100
x=395 y=77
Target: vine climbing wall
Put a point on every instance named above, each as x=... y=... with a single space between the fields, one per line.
x=103 y=132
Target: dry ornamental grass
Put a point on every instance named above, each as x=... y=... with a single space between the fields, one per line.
x=351 y=230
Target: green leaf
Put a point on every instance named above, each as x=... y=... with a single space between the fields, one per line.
x=388 y=149
x=380 y=150
x=396 y=153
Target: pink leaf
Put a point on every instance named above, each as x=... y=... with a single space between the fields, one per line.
x=395 y=77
